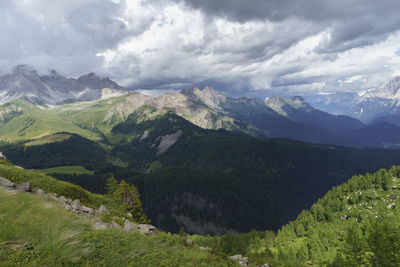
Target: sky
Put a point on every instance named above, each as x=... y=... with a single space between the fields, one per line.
x=240 y=47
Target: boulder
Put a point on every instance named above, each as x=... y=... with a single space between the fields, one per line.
x=146 y=229
x=76 y=205
x=102 y=209
x=129 y=215
x=188 y=241
x=129 y=226
x=62 y=199
x=87 y=210
x=265 y=265
x=6 y=182
x=27 y=187
x=2 y=156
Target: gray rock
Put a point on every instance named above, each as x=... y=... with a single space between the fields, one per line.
x=40 y=192
x=146 y=229
x=6 y=182
x=102 y=209
x=27 y=187
x=129 y=215
x=76 y=205
x=129 y=226
x=189 y=241
x=62 y=199
x=100 y=225
x=87 y=210
x=265 y=265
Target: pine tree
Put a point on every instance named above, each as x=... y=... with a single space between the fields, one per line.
x=130 y=198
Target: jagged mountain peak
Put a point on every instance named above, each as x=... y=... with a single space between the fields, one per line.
x=208 y=96
x=53 y=88
x=391 y=90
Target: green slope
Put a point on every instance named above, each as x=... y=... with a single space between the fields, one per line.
x=37 y=231
x=354 y=224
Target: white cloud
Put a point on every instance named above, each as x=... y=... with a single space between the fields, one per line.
x=167 y=45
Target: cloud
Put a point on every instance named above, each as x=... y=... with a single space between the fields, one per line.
x=241 y=47
x=65 y=35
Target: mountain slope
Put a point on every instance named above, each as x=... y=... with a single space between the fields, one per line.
x=38 y=231
x=264 y=182
x=25 y=82
x=297 y=109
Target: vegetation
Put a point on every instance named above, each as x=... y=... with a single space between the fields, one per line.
x=354 y=224
x=74 y=170
x=37 y=232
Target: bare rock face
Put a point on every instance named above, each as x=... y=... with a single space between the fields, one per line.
x=167 y=141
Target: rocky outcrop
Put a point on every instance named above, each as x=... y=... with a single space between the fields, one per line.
x=27 y=187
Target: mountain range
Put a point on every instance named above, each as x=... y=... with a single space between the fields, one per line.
x=53 y=89
x=378 y=104
x=30 y=101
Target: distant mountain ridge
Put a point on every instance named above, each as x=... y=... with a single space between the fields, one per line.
x=367 y=107
x=25 y=82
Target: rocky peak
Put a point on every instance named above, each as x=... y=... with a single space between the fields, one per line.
x=389 y=91
x=208 y=96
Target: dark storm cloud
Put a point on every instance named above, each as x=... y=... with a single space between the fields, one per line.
x=354 y=23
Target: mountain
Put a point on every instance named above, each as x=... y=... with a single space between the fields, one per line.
x=297 y=109
x=366 y=106
x=24 y=82
x=267 y=122
x=205 y=180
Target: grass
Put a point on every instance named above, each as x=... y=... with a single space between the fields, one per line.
x=59 y=137
x=36 y=231
x=51 y=185
x=67 y=170
x=85 y=119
